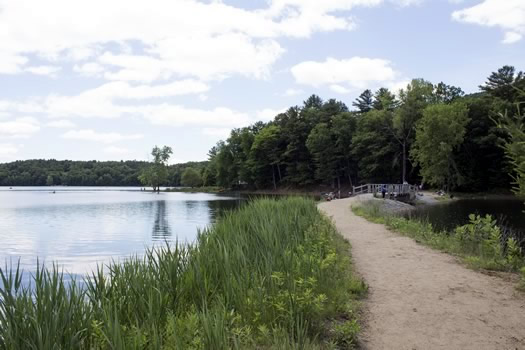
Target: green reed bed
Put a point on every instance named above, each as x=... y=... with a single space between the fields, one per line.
x=481 y=242
x=273 y=275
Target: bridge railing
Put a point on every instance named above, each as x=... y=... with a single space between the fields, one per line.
x=391 y=189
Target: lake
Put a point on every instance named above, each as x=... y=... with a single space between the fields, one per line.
x=509 y=211
x=80 y=227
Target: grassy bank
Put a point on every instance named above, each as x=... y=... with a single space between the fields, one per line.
x=272 y=275
x=481 y=243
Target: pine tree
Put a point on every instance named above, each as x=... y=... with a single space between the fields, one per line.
x=364 y=102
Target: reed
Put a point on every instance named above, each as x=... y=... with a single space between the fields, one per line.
x=273 y=275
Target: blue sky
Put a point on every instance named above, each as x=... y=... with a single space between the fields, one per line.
x=109 y=80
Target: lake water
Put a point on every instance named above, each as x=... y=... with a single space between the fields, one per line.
x=80 y=227
x=509 y=211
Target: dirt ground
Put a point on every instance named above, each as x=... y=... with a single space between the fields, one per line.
x=420 y=298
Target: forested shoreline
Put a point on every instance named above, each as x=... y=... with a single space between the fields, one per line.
x=85 y=173
x=428 y=133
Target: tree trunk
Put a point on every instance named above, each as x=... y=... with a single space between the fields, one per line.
x=279 y=172
x=349 y=176
x=273 y=177
x=404 y=160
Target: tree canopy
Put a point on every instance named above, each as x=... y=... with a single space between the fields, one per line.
x=388 y=138
x=426 y=131
x=438 y=134
x=191 y=178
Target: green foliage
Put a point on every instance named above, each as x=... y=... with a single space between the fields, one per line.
x=49 y=180
x=371 y=144
x=273 y=275
x=515 y=146
x=264 y=156
x=522 y=280
x=321 y=145
x=506 y=84
x=438 y=134
x=479 y=242
x=346 y=333
x=191 y=178
x=84 y=173
x=157 y=173
x=375 y=153
x=447 y=93
x=384 y=99
x=364 y=102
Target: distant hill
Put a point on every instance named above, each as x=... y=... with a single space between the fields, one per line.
x=41 y=172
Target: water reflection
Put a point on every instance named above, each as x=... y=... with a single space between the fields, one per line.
x=508 y=211
x=80 y=229
x=161 y=226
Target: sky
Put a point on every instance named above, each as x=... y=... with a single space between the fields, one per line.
x=108 y=80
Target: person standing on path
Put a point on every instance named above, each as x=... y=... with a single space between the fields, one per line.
x=383 y=190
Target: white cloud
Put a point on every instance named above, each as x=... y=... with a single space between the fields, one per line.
x=116 y=150
x=8 y=150
x=50 y=71
x=62 y=124
x=162 y=38
x=356 y=72
x=204 y=57
x=293 y=92
x=19 y=128
x=100 y=102
x=176 y=116
x=512 y=37
x=91 y=135
x=339 y=89
x=395 y=87
x=509 y=15
x=89 y=69
x=11 y=63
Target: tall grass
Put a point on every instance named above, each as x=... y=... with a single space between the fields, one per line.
x=481 y=242
x=272 y=275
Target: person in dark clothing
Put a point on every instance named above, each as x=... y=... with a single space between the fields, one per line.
x=383 y=190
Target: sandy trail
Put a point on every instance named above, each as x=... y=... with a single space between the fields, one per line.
x=423 y=299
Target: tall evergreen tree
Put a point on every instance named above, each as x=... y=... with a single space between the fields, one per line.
x=364 y=102
x=313 y=101
x=503 y=83
x=444 y=93
x=384 y=100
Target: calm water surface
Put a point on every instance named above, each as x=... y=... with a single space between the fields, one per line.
x=509 y=211
x=78 y=227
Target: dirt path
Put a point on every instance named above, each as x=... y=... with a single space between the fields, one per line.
x=423 y=299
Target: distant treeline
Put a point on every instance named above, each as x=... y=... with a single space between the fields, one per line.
x=84 y=173
x=429 y=132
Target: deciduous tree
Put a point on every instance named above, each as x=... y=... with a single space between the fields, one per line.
x=438 y=134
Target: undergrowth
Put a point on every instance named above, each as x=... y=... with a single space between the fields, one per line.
x=481 y=242
x=272 y=275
